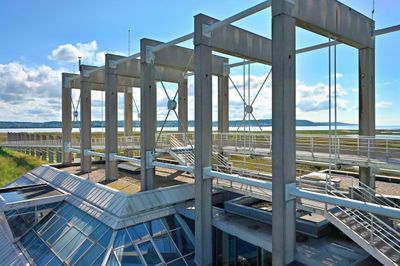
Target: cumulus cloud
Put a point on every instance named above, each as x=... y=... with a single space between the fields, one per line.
x=27 y=91
x=69 y=53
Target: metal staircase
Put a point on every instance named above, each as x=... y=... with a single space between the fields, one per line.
x=367 y=230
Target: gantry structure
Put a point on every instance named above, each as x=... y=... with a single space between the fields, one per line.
x=158 y=62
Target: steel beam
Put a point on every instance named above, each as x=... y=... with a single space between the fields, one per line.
x=283 y=136
x=203 y=144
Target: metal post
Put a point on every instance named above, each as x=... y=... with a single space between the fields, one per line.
x=203 y=143
x=283 y=134
x=223 y=104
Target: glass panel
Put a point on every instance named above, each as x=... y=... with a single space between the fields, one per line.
x=122 y=238
x=34 y=245
x=42 y=227
x=100 y=230
x=21 y=223
x=75 y=242
x=90 y=227
x=128 y=256
x=91 y=255
x=55 y=262
x=65 y=211
x=179 y=262
x=140 y=231
x=182 y=242
x=80 y=219
x=44 y=258
x=190 y=260
x=53 y=228
x=149 y=253
x=26 y=239
x=100 y=260
x=105 y=239
x=246 y=253
x=64 y=228
x=65 y=239
x=166 y=247
x=79 y=251
x=156 y=227
x=170 y=222
x=112 y=260
x=27 y=193
x=40 y=250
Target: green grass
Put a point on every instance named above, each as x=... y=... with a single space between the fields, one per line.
x=14 y=164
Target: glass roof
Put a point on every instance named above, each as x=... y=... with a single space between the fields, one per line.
x=69 y=236
x=16 y=194
x=22 y=181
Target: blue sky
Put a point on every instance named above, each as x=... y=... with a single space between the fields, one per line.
x=40 y=39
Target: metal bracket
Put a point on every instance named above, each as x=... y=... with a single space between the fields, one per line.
x=207 y=172
x=206 y=33
x=149 y=159
x=86 y=152
x=149 y=55
x=112 y=157
x=85 y=74
x=288 y=188
x=112 y=64
x=226 y=69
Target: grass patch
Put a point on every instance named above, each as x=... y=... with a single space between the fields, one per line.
x=14 y=164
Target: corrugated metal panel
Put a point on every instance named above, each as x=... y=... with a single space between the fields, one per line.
x=9 y=253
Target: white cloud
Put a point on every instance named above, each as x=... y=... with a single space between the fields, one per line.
x=69 y=53
x=383 y=104
x=29 y=93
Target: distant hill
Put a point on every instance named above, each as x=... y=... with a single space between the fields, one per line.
x=99 y=124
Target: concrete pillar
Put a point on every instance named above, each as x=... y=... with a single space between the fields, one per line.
x=37 y=145
x=203 y=144
x=283 y=135
x=66 y=117
x=111 y=109
x=59 y=153
x=128 y=127
x=366 y=111
x=223 y=104
x=183 y=105
x=86 y=119
x=32 y=140
x=148 y=105
x=44 y=148
x=51 y=150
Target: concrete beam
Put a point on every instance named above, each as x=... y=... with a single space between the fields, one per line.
x=111 y=103
x=148 y=125
x=85 y=121
x=203 y=144
x=182 y=58
x=330 y=18
x=44 y=149
x=283 y=137
x=66 y=116
x=223 y=104
x=128 y=116
x=239 y=42
x=183 y=105
x=366 y=109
